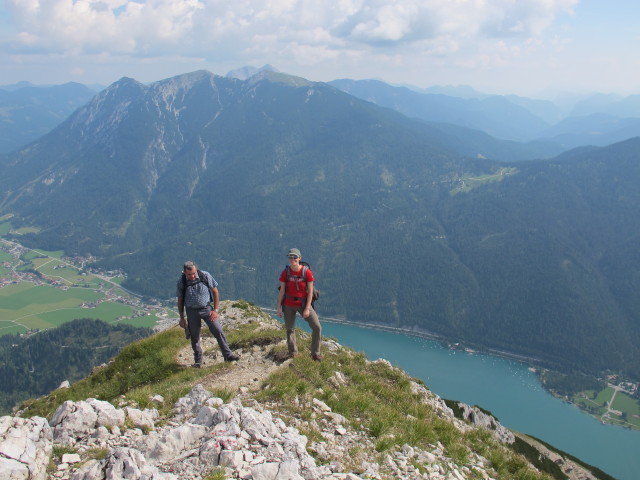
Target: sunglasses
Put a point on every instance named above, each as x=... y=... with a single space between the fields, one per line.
x=292 y=256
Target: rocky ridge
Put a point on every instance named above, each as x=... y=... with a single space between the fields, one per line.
x=242 y=438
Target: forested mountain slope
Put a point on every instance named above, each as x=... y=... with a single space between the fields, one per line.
x=35 y=365
x=536 y=258
x=495 y=115
x=28 y=112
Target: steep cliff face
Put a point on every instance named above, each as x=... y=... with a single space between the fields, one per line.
x=259 y=430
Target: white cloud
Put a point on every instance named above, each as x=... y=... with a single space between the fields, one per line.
x=90 y=26
x=160 y=27
x=400 y=40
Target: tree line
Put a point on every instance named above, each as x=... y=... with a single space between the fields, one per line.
x=33 y=365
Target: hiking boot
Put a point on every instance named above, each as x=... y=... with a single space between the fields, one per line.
x=197 y=365
x=232 y=358
x=316 y=357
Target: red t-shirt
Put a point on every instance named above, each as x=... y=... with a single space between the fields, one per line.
x=296 y=287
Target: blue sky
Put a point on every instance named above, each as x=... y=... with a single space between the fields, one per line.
x=527 y=47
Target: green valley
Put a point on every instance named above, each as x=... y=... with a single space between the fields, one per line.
x=42 y=289
x=612 y=399
x=614 y=405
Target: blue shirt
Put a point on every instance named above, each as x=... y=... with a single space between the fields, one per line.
x=197 y=293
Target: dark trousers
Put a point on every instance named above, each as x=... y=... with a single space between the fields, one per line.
x=194 y=323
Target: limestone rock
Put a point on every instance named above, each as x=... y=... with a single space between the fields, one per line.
x=142 y=418
x=478 y=417
x=190 y=405
x=108 y=415
x=73 y=420
x=122 y=463
x=25 y=448
x=163 y=447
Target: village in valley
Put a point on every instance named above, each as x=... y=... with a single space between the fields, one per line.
x=82 y=292
x=616 y=404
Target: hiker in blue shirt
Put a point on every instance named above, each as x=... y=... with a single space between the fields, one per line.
x=195 y=289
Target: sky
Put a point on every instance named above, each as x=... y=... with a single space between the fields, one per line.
x=536 y=48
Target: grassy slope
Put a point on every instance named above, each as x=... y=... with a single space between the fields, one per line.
x=377 y=398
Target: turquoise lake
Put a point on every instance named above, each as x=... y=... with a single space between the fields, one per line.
x=506 y=388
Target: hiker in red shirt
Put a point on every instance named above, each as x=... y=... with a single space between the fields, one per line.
x=295 y=295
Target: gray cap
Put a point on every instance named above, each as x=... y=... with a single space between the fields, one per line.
x=294 y=251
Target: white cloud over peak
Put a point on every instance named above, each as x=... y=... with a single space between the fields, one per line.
x=204 y=27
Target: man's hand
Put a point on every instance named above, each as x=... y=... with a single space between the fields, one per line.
x=306 y=312
x=213 y=315
x=183 y=322
x=279 y=311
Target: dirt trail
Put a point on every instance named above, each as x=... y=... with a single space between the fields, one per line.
x=254 y=366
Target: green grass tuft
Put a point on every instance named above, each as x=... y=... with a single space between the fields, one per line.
x=149 y=362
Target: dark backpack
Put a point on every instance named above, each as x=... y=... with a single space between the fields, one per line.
x=316 y=292
x=202 y=278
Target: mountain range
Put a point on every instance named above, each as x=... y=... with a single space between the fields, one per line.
x=546 y=126
x=27 y=111
x=412 y=224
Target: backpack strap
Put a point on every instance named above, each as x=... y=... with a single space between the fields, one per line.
x=304 y=278
x=202 y=278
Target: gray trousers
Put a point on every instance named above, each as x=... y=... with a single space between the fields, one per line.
x=194 y=324
x=290 y=324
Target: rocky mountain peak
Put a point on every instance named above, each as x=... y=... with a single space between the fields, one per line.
x=249 y=71
x=277 y=77
x=107 y=108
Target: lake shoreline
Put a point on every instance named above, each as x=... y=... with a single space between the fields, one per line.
x=531 y=362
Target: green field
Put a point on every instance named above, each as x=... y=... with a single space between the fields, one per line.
x=626 y=403
x=147 y=321
x=630 y=406
x=597 y=406
x=42 y=253
x=470 y=182
x=604 y=396
x=56 y=269
x=106 y=311
x=25 y=230
x=10 y=328
x=25 y=306
x=32 y=306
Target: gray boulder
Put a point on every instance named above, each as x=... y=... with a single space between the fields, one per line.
x=108 y=415
x=489 y=422
x=142 y=418
x=190 y=405
x=25 y=448
x=121 y=464
x=73 y=420
x=162 y=448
